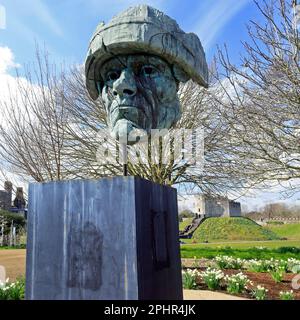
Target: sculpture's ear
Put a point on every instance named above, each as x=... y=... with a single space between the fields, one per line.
x=179 y=74
x=99 y=87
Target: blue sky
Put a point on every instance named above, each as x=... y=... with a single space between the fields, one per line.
x=65 y=26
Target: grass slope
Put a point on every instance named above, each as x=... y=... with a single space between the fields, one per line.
x=232 y=229
x=290 y=231
x=185 y=223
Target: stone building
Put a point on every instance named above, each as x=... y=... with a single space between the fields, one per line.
x=6 y=196
x=19 y=203
x=214 y=206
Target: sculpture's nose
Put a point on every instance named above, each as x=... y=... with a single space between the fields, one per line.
x=125 y=86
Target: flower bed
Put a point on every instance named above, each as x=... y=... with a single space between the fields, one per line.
x=255 y=279
x=12 y=290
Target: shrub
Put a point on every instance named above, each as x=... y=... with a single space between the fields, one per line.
x=260 y=248
x=296 y=269
x=258 y=265
x=196 y=263
x=259 y=293
x=283 y=264
x=188 y=251
x=275 y=222
x=275 y=264
x=237 y=283
x=19 y=221
x=286 y=295
x=223 y=262
x=186 y=214
x=272 y=265
x=277 y=274
x=12 y=291
x=288 y=250
x=189 y=278
x=226 y=262
x=237 y=264
x=17 y=246
x=212 y=278
x=293 y=265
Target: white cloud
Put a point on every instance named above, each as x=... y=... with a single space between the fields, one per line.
x=8 y=86
x=12 y=101
x=216 y=18
x=8 y=83
x=6 y=60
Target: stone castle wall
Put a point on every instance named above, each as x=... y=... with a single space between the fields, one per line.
x=5 y=200
x=235 y=209
x=216 y=207
x=6 y=196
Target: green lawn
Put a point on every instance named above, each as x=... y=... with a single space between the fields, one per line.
x=185 y=223
x=20 y=246
x=245 y=244
x=290 y=230
x=243 y=238
x=246 y=250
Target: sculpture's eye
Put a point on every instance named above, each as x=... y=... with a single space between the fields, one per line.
x=148 y=70
x=112 y=76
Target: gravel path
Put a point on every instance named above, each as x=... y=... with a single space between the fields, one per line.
x=208 y=295
x=14 y=262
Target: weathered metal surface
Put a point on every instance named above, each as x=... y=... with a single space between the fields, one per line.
x=158 y=250
x=145 y=29
x=135 y=63
x=100 y=240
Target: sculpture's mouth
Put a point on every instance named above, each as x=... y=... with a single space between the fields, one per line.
x=129 y=112
x=127 y=107
x=123 y=107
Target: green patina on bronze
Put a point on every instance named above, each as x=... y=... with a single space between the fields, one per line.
x=135 y=63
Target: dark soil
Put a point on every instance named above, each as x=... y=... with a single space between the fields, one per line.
x=259 y=278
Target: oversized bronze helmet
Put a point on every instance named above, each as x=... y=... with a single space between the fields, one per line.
x=143 y=29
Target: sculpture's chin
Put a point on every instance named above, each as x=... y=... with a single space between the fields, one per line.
x=127 y=132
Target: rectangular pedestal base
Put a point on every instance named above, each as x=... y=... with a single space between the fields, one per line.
x=114 y=238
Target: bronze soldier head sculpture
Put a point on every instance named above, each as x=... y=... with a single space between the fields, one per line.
x=135 y=63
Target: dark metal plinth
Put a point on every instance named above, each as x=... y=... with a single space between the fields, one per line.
x=114 y=238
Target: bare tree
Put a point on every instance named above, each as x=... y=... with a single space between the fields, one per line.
x=54 y=132
x=260 y=98
x=32 y=130
x=87 y=118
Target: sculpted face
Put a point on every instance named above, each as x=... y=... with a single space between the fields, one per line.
x=139 y=92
